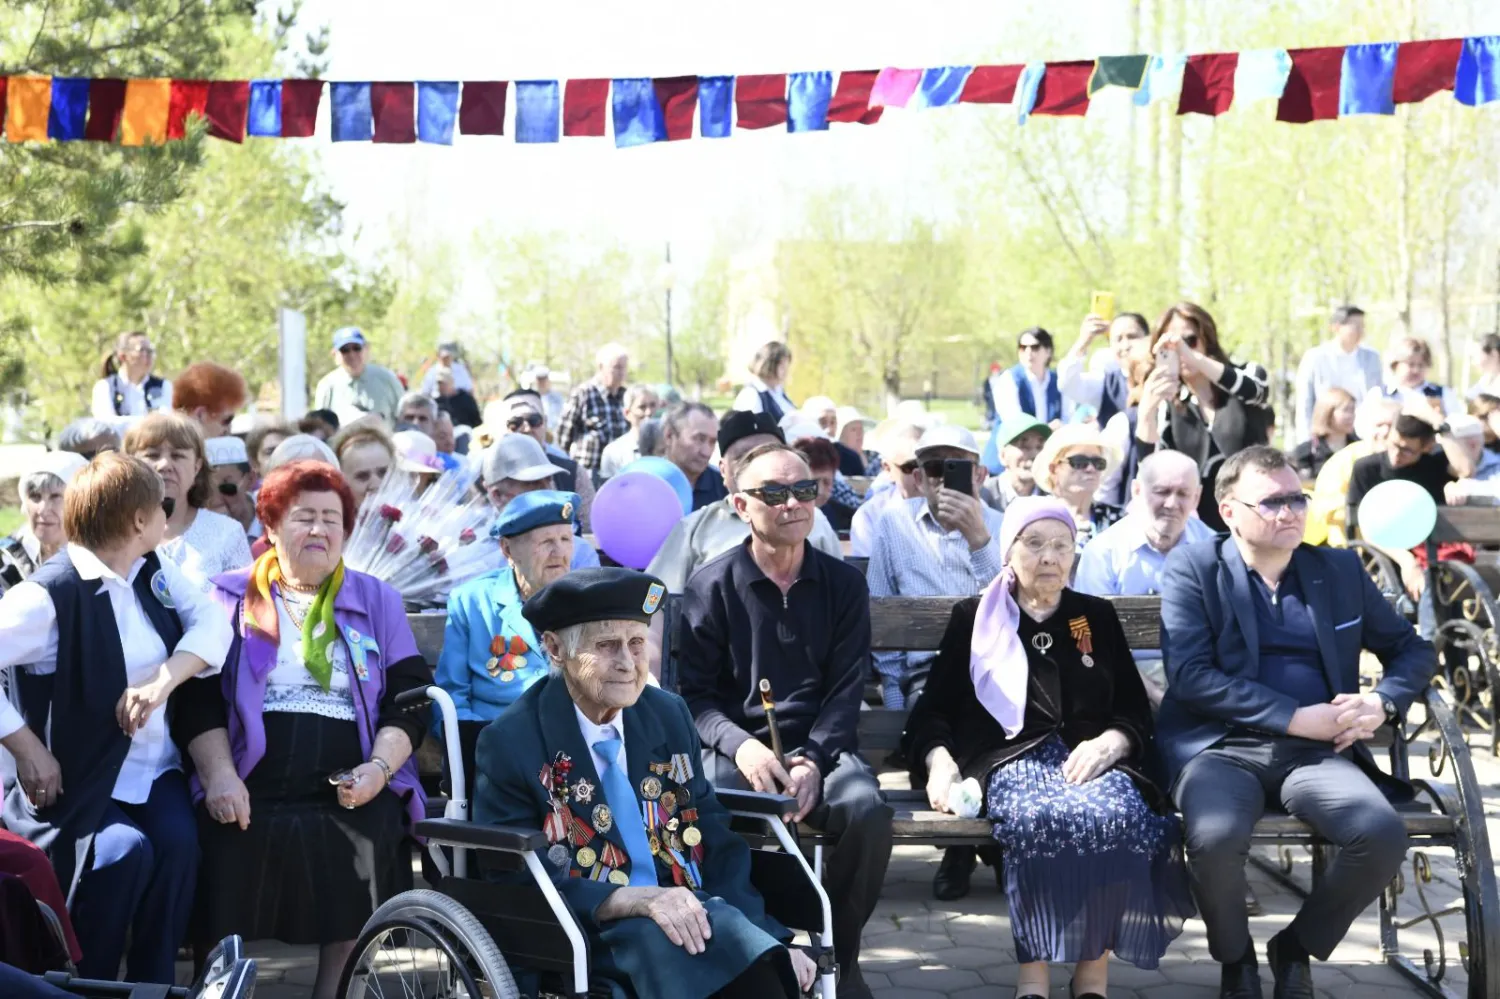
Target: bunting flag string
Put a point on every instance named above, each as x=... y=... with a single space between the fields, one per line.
x=1308 y=84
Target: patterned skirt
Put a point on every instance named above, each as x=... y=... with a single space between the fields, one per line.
x=1089 y=868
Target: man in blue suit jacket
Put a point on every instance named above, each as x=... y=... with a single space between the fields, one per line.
x=1261 y=638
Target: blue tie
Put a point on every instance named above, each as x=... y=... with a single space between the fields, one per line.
x=620 y=797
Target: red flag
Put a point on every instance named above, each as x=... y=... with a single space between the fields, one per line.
x=299 y=108
x=1424 y=68
x=678 y=96
x=393 y=106
x=1208 y=83
x=1064 y=90
x=1312 y=89
x=188 y=97
x=851 y=98
x=482 y=111
x=106 y=104
x=4 y=83
x=992 y=85
x=226 y=108
x=760 y=101
x=585 y=107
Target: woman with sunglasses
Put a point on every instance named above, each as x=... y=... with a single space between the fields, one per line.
x=1071 y=466
x=1034 y=696
x=202 y=542
x=1199 y=402
x=230 y=477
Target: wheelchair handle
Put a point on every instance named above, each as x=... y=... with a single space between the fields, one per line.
x=409 y=700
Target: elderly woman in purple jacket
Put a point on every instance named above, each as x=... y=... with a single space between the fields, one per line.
x=306 y=781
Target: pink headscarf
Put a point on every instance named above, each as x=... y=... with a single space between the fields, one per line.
x=997 y=660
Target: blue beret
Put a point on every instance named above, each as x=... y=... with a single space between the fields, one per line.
x=528 y=511
x=603 y=594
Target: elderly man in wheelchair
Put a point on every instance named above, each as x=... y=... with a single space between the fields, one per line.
x=635 y=884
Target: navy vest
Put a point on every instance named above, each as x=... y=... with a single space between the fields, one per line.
x=770 y=406
x=1113 y=393
x=1028 y=401
x=151 y=389
x=79 y=700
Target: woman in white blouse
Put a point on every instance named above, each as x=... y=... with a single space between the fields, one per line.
x=1409 y=361
x=765 y=392
x=96 y=641
x=202 y=542
x=127 y=388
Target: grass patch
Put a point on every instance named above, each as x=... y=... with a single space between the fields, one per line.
x=10 y=520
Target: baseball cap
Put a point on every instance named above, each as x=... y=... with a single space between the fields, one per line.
x=737 y=424
x=947 y=435
x=517 y=456
x=1017 y=425
x=346 y=335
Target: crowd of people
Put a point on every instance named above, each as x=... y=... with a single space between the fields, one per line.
x=170 y=749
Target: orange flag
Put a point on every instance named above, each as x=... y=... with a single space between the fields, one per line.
x=28 y=100
x=147 y=103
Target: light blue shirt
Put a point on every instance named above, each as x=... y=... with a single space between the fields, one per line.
x=1489 y=466
x=862 y=527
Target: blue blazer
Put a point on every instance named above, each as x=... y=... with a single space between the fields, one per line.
x=513 y=752
x=1211 y=647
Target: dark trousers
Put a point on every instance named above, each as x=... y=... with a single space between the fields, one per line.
x=855 y=813
x=1225 y=789
x=139 y=885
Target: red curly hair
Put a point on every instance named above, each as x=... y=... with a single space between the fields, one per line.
x=214 y=387
x=283 y=486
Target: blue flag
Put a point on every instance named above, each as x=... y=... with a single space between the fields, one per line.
x=350 y=114
x=70 y=105
x=942 y=86
x=1026 y=89
x=265 y=109
x=1368 y=75
x=808 y=95
x=637 y=112
x=1478 y=78
x=715 y=106
x=538 y=111
x=437 y=109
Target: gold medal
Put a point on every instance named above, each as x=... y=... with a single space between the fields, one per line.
x=618 y=877
x=655 y=845
x=493 y=666
x=507 y=676
x=669 y=801
x=691 y=836
x=651 y=788
x=586 y=857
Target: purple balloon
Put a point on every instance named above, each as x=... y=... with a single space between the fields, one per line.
x=632 y=515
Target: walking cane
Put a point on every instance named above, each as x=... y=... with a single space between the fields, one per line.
x=769 y=704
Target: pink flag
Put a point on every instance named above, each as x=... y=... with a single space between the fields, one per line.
x=894 y=87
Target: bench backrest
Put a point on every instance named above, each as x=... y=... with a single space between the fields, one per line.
x=1478 y=525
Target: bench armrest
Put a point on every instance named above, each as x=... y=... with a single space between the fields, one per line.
x=506 y=839
x=758 y=802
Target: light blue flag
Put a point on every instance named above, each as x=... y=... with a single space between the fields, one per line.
x=1369 y=73
x=715 y=106
x=1261 y=74
x=538 y=111
x=1026 y=89
x=942 y=86
x=264 y=118
x=808 y=95
x=1478 y=78
x=437 y=108
x=637 y=112
x=351 y=117
x=1163 y=80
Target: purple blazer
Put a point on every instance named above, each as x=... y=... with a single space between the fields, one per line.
x=372 y=623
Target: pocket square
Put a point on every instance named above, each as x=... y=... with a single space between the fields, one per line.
x=1348 y=624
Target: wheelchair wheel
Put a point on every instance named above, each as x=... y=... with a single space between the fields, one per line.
x=423 y=943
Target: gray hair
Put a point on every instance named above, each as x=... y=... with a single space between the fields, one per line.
x=1160 y=463
x=300 y=447
x=568 y=640
x=609 y=353
x=81 y=432
x=676 y=416
x=635 y=393
x=419 y=399
x=38 y=484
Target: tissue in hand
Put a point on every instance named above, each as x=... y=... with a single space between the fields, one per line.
x=964 y=798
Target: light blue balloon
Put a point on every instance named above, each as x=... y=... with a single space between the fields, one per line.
x=665 y=470
x=1397 y=515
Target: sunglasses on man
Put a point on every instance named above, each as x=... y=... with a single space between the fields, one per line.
x=518 y=423
x=1079 y=462
x=781 y=493
x=229 y=488
x=1270 y=508
x=350 y=348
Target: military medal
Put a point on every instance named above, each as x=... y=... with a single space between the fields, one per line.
x=681 y=769
x=579 y=831
x=586 y=857
x=691 y=836
x=604 y=819
x=1084 y=636
x=612 y=856
x=555 y=826
x=493 y=666
x=661 y=769
x=654 y=844
x=558 y=855
x=669 y=801
x=618 y=877
x=651 y=788
x=506 y=656
x=583 y=792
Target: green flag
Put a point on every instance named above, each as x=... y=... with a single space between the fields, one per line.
x=1118 y=71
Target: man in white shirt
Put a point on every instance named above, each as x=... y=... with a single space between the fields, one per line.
x=1340 y=362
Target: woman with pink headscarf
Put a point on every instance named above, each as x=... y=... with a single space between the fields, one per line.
x=1034 y=696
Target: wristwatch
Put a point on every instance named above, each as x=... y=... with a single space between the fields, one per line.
x=1391 y=714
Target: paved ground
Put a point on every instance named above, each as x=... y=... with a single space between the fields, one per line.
x=918 y=948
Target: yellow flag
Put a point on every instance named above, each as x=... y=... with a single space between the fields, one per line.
x=145 y=117
x=28 y=99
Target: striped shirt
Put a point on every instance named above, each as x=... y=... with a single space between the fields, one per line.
x=592 y=418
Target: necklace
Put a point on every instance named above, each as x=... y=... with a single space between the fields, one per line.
x=297 y=605
x=298 y=587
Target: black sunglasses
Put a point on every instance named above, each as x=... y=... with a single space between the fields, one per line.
x=908 y=467
x=780 y=493
x=1030 y=346
x=350 y=348
x=229 y=489
x=1270 y=507
x=1082 y=461
x=529 y=420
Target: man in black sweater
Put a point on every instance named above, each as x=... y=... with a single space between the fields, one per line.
x=778 y=609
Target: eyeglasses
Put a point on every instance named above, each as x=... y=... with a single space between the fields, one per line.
x=229 y=489
x=1030 y=346
x=1058 y=549
x=518 y=423
x=780 y=493
x=350 y=348
x=908 y=467
x=1079 y=462
x=142 y=351
x=1270 y=508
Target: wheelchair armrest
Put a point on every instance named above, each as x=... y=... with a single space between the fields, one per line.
x=758 y=802
x=477 y=836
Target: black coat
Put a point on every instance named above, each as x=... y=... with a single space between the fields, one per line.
x=1064 y=697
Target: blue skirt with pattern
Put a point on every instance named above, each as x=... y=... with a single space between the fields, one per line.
x=1088 y=868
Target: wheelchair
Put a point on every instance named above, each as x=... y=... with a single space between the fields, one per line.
x=467 y=938
x=226 y=974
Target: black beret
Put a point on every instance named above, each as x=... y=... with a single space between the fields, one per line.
x=737 y=424
x=603 y=594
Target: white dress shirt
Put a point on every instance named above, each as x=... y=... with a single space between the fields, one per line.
x=748 y=398
x=1329 y=366
x=29 y=623
x=133 y=402
x=593 y=733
